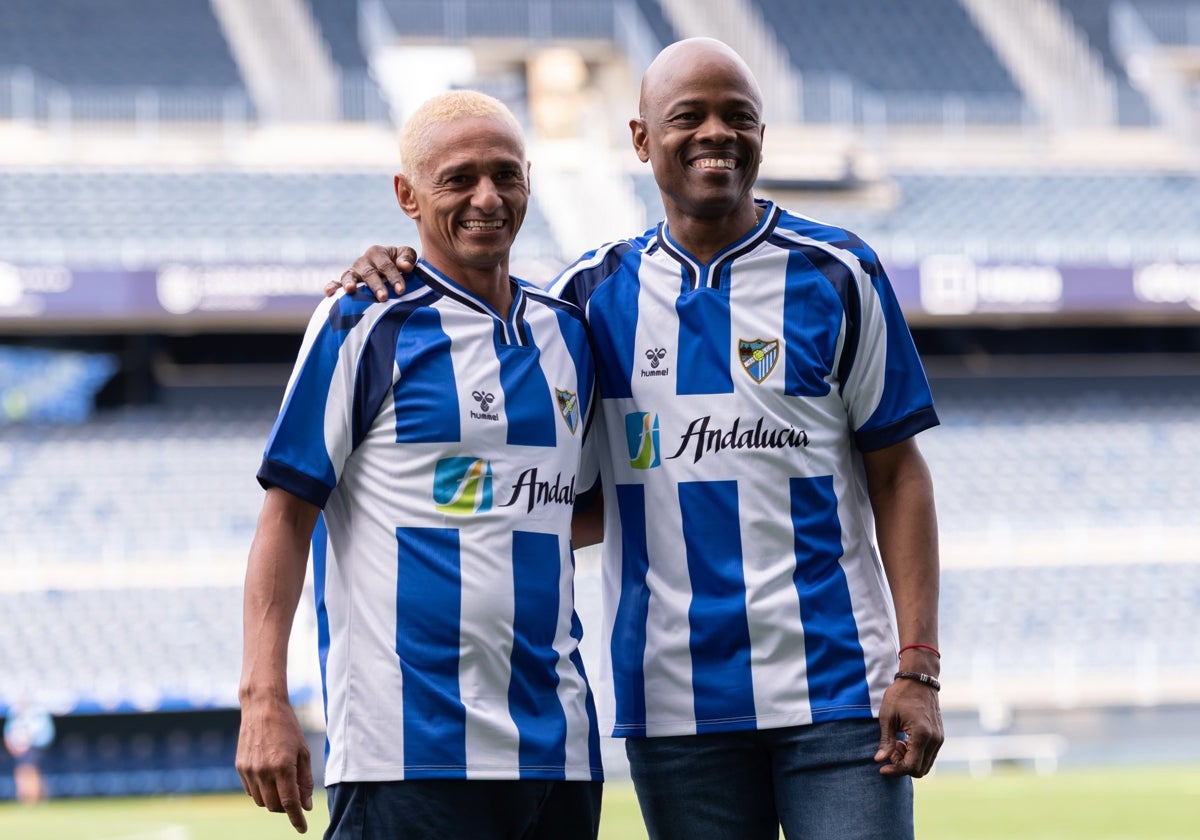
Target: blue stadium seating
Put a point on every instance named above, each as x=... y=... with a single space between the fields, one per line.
x=927 y=47
x=1080 y=215
x=99 y=651
x=167 y=43
x=337 y=21
x=1026 y=619
x=161 y=487
x=113 y=217
x=49 y=386
x=455 y=22
x=141 y=484
x=1070 y=455
x=110 y=217
x=137 y=756
x=1093 y=20
x=657 y=21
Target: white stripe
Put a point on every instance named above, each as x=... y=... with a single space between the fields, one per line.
x=668 y=662
x=485 y=654
x=571 y=688
x=768 y=552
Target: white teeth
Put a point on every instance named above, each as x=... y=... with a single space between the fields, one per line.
x=477 y=225
x=715 y=163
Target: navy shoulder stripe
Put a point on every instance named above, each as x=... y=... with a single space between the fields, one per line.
x=373 y=381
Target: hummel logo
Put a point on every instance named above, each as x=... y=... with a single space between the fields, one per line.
x=484 y=399
x=656 y=355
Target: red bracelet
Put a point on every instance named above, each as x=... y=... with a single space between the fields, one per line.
x=921 y=647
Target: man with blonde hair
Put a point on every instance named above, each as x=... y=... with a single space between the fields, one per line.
x=432 y=441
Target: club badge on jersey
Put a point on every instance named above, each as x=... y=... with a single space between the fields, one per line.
x=758 y=356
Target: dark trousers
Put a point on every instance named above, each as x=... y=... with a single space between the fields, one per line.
x=449 y=809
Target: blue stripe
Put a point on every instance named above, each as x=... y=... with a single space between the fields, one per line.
x=812 y=315
x=426 y=394
x=595 y=758
x=722 y=682
x=532 y=701
x=837 y=677
x=320 y=551
x=628 y=643
x=529 y=404
x=576 y=285
x=377 y=361
x=428 y=615
x=704 y=343
x=575 y=334
x=298 y=436
x=611 y=316
x=906 y=395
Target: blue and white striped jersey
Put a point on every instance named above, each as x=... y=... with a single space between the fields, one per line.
x=742 y=585
x=442 y=442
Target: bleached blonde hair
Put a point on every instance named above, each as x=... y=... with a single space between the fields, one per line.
x=415 y=147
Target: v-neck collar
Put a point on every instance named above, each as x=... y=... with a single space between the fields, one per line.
x=512 y=329
x=708 y=275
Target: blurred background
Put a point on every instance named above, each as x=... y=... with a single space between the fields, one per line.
x=179 y=179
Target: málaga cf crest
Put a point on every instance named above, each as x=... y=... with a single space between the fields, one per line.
x=758 y=356
x=568 y=404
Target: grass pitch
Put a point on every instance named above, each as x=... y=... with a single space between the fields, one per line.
x=1105 y=804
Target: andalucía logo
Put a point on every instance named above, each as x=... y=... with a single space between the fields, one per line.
x=463 y=486
x=641 y=433
x=758 y=356
x=568 y=405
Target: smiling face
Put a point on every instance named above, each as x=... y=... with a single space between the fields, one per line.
x=701 y=130
x=468 y=195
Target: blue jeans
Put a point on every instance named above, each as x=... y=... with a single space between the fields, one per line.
x=819 y=782
x=454 y=809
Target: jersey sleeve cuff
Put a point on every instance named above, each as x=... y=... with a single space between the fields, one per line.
x=875 y=439
x=274 y=474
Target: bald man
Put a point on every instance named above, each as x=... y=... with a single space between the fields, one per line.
x=770 y=539
x=435 y=437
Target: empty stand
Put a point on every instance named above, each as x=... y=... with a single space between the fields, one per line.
x=134 y=486
x=1094 y=18
x=131 y=218
x=361 y=95
x=168 y=43
x=1084 y=218
x=890 y=46
x=154 y=511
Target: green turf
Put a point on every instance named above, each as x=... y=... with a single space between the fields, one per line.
x=1151 y=804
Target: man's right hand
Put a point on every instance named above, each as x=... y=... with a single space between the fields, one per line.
x=273 y=760
x=379 y=266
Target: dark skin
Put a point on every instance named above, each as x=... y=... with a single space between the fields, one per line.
x=700 y=128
